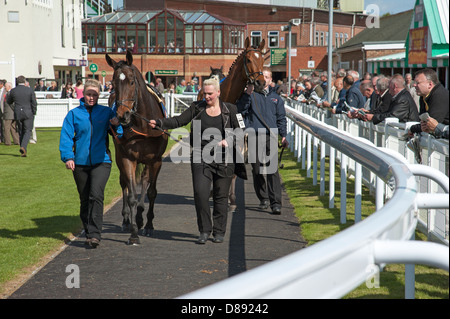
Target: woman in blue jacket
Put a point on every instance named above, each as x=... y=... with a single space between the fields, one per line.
x=84 y=149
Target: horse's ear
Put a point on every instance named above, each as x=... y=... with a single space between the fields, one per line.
x=247 y=42
x=221 y=69
x=211 y=68
x=110 y=61
x=262 y=44
x=129 y=58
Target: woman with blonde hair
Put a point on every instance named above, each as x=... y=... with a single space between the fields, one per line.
x=207 y=163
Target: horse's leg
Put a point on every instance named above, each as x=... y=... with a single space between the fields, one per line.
x=141 y=204
x=130 y=169
x=232 y=195
x=154 y=170
x=125 y=207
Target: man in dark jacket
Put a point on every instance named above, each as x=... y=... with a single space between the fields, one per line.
x=265 y=111
x=402 y=106
x=24 y=111
x=433 y=97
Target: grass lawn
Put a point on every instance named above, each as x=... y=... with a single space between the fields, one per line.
x=318 y=222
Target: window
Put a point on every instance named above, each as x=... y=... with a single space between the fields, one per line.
x=342 y=39
x=316 y=39
x=293 y=40
x=256 y=38
x=273 y=39
x=322 y=43
x=336 y=40
x=345 y=37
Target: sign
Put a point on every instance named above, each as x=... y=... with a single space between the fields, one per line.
x=93 y=67
x=104 y=73
x=278 y=56
x=418 y=40
x=311 y=64
x=293 y=51
x=72 y=62
x=166 y=72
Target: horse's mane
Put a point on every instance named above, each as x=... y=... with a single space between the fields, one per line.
x=239 y=57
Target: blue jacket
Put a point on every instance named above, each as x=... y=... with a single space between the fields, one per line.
x=84 y=135
x=270 y=107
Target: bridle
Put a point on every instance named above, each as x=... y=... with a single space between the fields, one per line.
x=134 y=101
x=133 y=109
x=251 y=76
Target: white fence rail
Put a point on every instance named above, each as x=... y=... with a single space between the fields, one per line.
x=337 y=265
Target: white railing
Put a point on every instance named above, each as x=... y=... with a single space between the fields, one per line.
x=177 y=103
x=388 y=135
x=339 y=264
x=51 y=112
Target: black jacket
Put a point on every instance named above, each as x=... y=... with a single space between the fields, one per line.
x=437 y=102
x=25 y=102
x=382 y=103
x=229 y=121
x=402 y=107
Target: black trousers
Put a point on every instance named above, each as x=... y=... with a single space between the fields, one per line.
x=266 y=178
x=202 y=177
x=91 y=182
x=25 y=128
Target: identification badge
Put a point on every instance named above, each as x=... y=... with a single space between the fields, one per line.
x=240 y=120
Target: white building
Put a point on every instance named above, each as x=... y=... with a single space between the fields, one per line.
x=44 y=36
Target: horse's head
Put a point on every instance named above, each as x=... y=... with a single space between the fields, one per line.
x=217 y=73
x=125 y=85
x=253 y=64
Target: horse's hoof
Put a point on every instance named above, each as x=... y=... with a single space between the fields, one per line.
x=147 y=232
x=133 y=241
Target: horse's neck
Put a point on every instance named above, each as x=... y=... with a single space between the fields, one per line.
x=233 y=85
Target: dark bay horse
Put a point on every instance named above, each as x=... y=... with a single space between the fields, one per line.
x=140 y=144
x=247 y=68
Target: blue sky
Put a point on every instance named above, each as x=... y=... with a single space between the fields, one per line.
x=391 y=6
x=386 y=6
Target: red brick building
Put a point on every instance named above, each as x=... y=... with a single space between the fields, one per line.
x=175 y=39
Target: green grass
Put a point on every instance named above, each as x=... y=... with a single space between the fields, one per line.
x=39 y=203
x=318 y=222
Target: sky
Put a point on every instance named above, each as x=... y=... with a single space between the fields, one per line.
x=391 y=6
x=386 y=6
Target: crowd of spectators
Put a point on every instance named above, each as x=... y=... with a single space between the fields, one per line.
x=375 y=97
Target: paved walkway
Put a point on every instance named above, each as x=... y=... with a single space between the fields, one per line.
x=169 y=264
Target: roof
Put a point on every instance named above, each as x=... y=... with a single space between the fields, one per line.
x=142 y=17
x=437 y=17
x=393 y=28
x=390 y=57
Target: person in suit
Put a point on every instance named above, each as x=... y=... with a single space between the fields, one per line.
x=24 y=111
x=8 y=119
x=2 y=98
x=402 y=105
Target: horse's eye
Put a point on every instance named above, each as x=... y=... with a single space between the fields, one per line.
x=132 y=82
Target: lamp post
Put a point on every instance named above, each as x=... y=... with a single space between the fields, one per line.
x=330 y=48
x=288 y=27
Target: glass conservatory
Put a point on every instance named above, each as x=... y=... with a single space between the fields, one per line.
x=163 y=32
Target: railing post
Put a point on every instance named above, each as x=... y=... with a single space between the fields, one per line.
x=410 y=278
x=308 y=155
x=343 y=188
x=315 y=161
x=332 y=177
x=322 y=168
x=358 y=192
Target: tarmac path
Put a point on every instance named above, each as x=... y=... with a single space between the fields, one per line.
x=169 y=264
